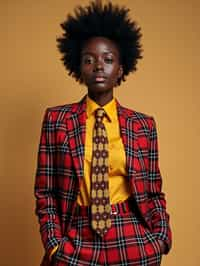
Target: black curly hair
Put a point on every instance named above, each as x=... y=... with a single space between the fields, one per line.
x=109 y=21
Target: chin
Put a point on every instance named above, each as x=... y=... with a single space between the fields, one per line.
x=99 y=87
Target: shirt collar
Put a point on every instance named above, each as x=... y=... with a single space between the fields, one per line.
x=109 y=108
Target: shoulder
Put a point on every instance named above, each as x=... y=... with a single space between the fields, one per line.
x=140 y=120
x=60 y=112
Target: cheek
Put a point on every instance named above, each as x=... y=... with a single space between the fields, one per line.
x=113 y=73
x=85 y=73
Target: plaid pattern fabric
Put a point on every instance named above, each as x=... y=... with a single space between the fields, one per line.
x=127 y=242
x=100 y=202
x=60 y=170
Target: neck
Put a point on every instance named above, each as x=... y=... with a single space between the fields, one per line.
x=101 y=98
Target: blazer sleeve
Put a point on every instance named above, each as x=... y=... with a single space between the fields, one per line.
x=157 y=202
x=44 y=189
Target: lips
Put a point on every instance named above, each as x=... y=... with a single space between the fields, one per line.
x=99 y=78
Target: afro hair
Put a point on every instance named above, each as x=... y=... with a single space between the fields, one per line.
x=109 y=21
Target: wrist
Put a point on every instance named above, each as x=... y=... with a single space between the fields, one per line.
x=162 y=246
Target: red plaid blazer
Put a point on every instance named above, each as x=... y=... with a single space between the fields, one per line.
x=60 y=170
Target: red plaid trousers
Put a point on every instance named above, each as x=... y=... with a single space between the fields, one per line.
x=127 y=242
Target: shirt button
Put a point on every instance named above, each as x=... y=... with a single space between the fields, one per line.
x=110 y=167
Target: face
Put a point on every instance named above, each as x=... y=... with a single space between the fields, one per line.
x=100 y=65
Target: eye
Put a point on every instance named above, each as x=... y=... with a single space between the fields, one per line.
x=109 y=60
x=87 y=60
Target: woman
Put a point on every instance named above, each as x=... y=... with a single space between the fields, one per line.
x=98 y=185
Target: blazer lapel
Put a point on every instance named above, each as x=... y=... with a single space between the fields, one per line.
x=128 y=130
x=128 y=139
x=76 y=130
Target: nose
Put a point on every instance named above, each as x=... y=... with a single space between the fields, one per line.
x=98 y=66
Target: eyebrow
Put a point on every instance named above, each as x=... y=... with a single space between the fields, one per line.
x=90 y=53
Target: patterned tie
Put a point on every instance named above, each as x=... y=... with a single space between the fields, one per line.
x=100 y=202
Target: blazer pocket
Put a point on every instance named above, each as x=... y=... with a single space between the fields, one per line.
x=56 y=255
x=65 y=249
x=153 y=240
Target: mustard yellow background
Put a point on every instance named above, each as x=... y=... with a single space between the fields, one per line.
x=166 y=86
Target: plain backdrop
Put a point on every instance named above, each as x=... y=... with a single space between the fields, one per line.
x=166 y=86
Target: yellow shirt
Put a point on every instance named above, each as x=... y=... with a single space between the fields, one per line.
x=118 y=185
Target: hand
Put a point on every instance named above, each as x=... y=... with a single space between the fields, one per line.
x=162 y=246
x=45 y=261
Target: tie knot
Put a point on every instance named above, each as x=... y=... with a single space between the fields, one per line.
x=99 y=114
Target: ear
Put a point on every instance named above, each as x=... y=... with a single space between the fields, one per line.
x=81 y=78
x=119 y=76
x=120 y=71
